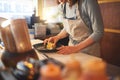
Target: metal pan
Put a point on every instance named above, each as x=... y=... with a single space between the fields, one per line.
x=41 y=47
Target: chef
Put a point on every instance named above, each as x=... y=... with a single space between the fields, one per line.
x=83 y=24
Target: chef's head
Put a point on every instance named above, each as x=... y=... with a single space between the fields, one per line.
x=61 y=1
x=71 y=2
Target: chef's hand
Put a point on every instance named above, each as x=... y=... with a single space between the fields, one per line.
x=53 y=40
x=68 y=49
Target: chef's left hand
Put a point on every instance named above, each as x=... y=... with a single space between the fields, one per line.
x=67 y=49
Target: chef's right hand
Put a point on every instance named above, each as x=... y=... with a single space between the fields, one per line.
x=53 y=40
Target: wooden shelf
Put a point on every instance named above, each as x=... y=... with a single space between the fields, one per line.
x=107 y=1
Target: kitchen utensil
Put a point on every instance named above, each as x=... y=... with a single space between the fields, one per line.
x=21 y=35
x=41 y=48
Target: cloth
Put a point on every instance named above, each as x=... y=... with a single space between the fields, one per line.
x=90 y=13
x=78 y=31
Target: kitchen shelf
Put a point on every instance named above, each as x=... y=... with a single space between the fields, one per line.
x=107 y=1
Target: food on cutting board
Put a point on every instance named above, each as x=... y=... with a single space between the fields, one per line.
x=50 y=46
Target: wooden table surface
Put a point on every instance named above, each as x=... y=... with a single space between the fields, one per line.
x=83 y=58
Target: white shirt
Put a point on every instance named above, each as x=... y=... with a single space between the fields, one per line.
x=70 y=11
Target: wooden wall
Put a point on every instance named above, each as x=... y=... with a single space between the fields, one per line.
x=111 y=39
x=42 y=4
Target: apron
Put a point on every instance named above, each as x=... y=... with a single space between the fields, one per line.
x=78 y=31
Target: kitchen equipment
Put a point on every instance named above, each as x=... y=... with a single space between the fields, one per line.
x=40 y=30
x=5 y=34
x=21 y=35
x=6 y=75
x=30 y=68
x=8 y=40
x=24 y=70
x=15 y=36
x=41 y=48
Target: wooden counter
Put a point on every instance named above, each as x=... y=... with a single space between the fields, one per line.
x=83 y=58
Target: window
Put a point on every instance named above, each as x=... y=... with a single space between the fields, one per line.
x=51 y=12
x=10 y=8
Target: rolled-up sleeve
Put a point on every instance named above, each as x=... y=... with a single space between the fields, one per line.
x=95 y=17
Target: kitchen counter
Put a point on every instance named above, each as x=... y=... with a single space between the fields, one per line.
x=83 y=58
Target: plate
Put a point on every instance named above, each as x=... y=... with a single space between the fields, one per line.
x=40 y=47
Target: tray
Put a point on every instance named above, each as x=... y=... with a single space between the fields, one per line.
x=40 y=47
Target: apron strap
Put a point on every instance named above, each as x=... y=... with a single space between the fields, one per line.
x=64 y=10
x=85 y=18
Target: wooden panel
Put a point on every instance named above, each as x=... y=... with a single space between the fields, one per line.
x=111 y=40
x=108 y=1
x=111 y=15
x=112 y=30
x=111 y=48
